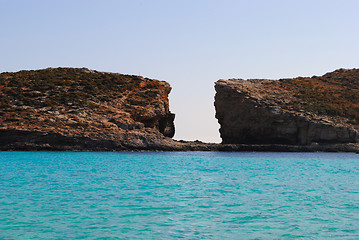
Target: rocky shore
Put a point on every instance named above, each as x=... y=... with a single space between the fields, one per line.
x=15 y=140
x=72 y=109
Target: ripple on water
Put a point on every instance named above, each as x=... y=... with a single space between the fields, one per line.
x=179 y=195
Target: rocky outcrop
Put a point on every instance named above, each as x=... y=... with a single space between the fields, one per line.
x=81 y=109
x=69 y=109
x=301 y=111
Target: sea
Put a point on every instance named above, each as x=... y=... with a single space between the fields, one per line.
x=179 y=195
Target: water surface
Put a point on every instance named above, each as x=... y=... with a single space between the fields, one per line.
x=198 y=195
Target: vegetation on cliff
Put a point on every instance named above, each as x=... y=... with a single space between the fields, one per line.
x=334 y=94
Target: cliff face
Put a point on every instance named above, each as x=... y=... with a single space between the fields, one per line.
x=67 y=107
x=298 y=111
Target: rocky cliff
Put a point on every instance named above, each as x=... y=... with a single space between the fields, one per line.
x=69 y=109
x=76 y=109
x=299 y=111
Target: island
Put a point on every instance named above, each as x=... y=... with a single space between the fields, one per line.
x=312 y=112
x=82 y=109
x=77 y=109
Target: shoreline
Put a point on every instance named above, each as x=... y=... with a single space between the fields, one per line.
x=17 y=140
x=190 y=147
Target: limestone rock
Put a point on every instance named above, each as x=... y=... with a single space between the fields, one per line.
x=299 y=111
x=72 y=108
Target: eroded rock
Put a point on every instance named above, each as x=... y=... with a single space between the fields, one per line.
x=273 y=112
x=83 y=109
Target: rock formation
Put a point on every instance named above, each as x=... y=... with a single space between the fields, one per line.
x=300 y=111
x=76 y=109
x=72 y=109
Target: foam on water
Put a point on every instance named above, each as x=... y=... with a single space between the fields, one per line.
x=52 y=195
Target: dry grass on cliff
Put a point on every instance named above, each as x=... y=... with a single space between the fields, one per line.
x=333 y=94
x=70 y=99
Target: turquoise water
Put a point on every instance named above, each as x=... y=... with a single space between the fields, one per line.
x=199 y=195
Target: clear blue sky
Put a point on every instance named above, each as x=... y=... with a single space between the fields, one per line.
x=190 y=44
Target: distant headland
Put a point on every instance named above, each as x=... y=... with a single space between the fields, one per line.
x=77 y=109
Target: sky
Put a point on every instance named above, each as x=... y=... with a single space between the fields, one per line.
x=190 y=44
